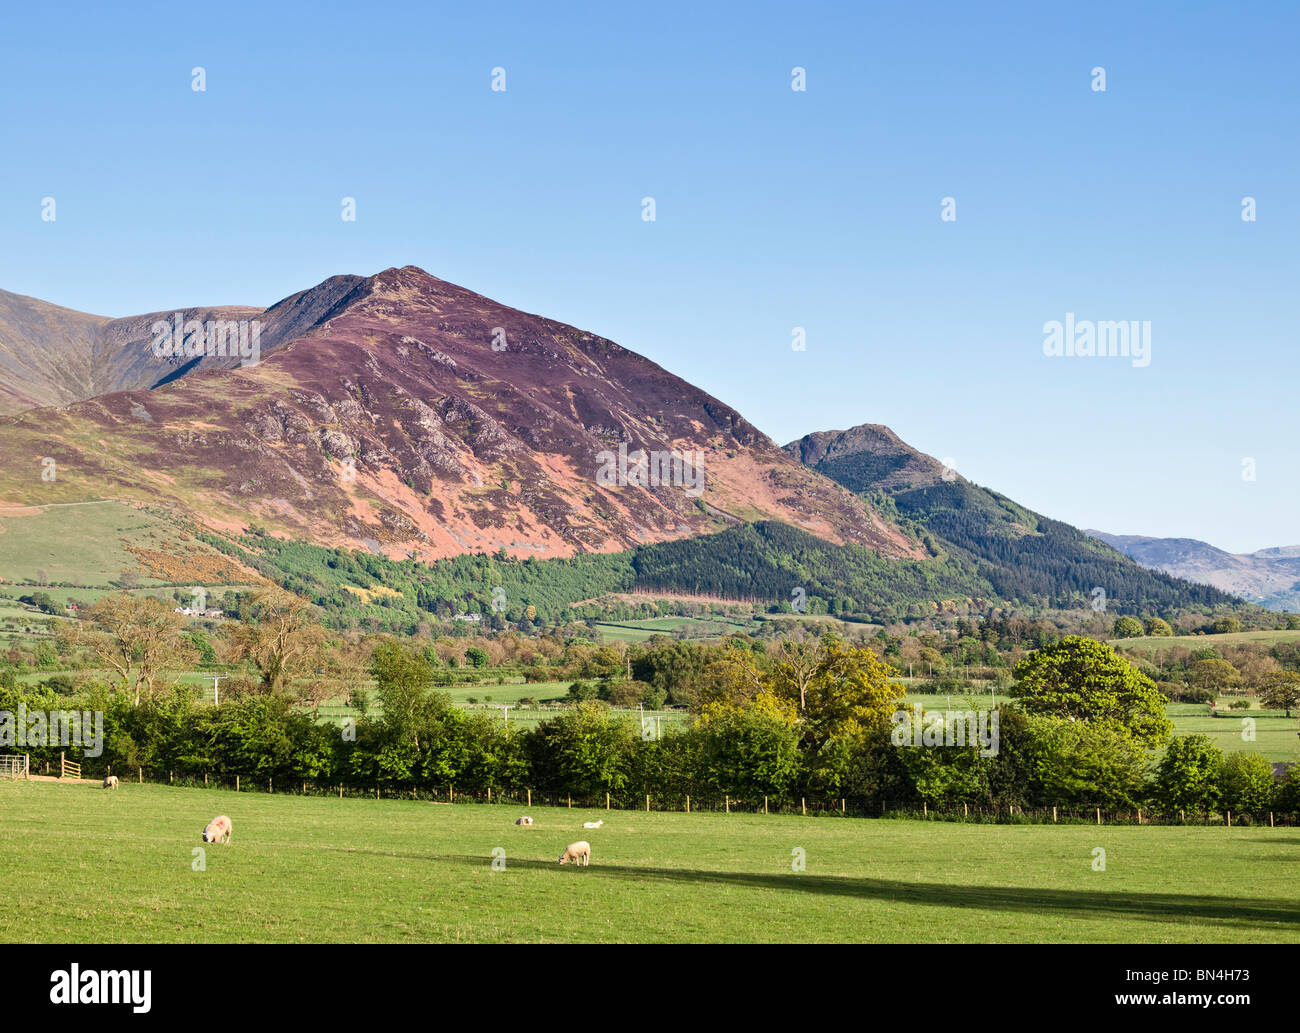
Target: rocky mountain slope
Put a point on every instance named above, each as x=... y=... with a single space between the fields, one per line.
x=399 y=413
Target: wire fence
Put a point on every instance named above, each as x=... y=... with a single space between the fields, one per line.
x=711 y=803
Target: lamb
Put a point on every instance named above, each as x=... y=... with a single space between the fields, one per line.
x=525 y=820
x=578 y=853
x=110 y=782
x=217 y=830
x=593 y=824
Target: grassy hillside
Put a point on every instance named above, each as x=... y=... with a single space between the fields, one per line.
x=120 y=867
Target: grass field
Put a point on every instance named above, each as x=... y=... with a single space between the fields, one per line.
x=85 y=865
x=1268 y=638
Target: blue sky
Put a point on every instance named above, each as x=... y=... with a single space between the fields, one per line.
x=774 y=208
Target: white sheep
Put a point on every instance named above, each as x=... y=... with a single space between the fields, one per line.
x=525 y=820
x=578 y=853
x=593 y=824
x=218 y=830
x=110 y=782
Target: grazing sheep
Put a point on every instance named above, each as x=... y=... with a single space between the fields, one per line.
x=578 y=853
x=110 y=782
x=593 y=824
x=217 y=830
x=525 y=820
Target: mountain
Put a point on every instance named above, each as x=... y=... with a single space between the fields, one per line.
x=52 y=356
x=397 y=413
x=1270 y=577
x=1022 y=555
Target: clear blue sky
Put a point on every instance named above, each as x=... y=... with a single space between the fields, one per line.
x=775 y=208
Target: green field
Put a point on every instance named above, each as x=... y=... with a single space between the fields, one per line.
x=97 y=866
x=1275 y=733
x=1268 y=638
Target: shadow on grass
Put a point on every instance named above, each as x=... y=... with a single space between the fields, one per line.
x=1158 y=907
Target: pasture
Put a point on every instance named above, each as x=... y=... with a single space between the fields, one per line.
x=1237 y=638
x=83 y=865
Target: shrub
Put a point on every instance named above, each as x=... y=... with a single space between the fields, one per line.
x=1188 y=775
x=1127 y=627
x=1247 y=782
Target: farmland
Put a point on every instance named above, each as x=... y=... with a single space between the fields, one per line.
x=120 y=867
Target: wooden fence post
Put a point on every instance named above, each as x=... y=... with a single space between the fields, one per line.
x=1270 y=819
x=530 y=798
x=607 y=801
x=169 y=777
x=205 y=780
x=340 y=790
x=1098 y=815
x=1139 y=815
x=139 y=775
x=925 y=809
x=803 y=805
x=688 y=804
x=269 y=788
x=571 y=802
x=965 y=810
x=1053 y=812
x=726 y=803
x=765 y=805
x=842 y=805
x=1229 y=819
x=236 y=783
x=647 y=801
x=489 y=794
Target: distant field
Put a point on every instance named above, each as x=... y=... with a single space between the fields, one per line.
x=1275 y=733
x=695 y=627
x=74 y=543
x=119 y=867
x=1267 y=638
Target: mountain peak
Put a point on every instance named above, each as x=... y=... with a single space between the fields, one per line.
x=404 y=413
x=869 y=455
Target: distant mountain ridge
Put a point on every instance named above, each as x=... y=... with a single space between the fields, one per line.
x=1270 y=577
x=52 y=356
x=398 y=413
x=1021 y=554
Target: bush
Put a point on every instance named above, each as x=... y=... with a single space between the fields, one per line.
x=1180 y=693
x=1189 y=774
x=1247 y=783
x=1127 y=627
